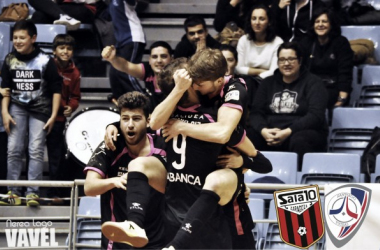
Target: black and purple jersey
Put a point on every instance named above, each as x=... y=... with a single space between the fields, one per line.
x=189 y=161
x=113 y=203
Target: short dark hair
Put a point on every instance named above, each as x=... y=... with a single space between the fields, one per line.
x=207 y=65
x=63 y=39
x=271 y=29
x=335 y=30
x=134 y=100
x=291 y=45
x=27 y=25
x=161 y=44
x=229 y=48
x=193 y=20
x=165 y=77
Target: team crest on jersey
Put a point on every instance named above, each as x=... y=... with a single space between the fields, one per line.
x=345 y=210
x=299 y=216
x=284 y=102
x=232 y=95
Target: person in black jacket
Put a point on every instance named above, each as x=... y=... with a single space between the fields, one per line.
x=234 y=11
x=328 y=55
x=293 y=17
x=195 y=39
x=289 y=108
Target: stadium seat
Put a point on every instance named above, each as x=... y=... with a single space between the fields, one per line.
x=4 y=3
x=46 y=34
x=5 y=39
x=257 y=208
x=89 y=234
x=284 y=167
x=352 y=128
x=272 y=232
x=89 y=206
x=371 y=32
x=369 y=94
x=375 y=177
x=284 y=171
x=323 y=168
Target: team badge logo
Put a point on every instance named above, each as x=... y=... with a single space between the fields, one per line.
x=299 y=216
x=345 y=210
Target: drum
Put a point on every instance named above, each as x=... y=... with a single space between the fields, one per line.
x=86 y=130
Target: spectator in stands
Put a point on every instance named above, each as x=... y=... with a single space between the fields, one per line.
x=258 y=47
x=229 y=52
x=67 y=12
x=130 y=44
x=3 y=144
x=63 y=48
x=234 y=11
x=30 y=110
x=328 y=55
x=160 y=56
x=289 y=107
x=195 y=39
x=293 y=17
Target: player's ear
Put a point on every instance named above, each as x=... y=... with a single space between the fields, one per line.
x=220 y=80
x=148 y=121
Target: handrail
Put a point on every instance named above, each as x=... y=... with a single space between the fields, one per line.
x=60 y=184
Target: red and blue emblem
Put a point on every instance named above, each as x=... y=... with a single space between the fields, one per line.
x=345 y=210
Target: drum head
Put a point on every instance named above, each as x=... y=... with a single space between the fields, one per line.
x=86 y=130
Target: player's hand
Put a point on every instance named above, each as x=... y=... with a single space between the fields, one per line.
x=7 y=121
x=201 y=44
x=171 y=129
x=233 y=160
x=6 y=92
x=109 y=53
x=67 y=111
x=120 y=182
x=49 y=125
x=246 y=193
x=110 y=137
x=284 y=3
x=280 y=137
x=269 y=134
x=182 y=80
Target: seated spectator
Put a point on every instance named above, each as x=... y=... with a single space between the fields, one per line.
x=289 y=108
x=258 y=47
x=234 y=11
x=67 y=12
x=30 y=111
x=63 y=47
x=195 y=39
x=293 y=17
x=160 y=56
x=328 y=55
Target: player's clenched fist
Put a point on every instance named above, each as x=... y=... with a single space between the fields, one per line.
x=109 y=53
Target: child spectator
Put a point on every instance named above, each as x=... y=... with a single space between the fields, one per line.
x=63 y=47
x=31 y=108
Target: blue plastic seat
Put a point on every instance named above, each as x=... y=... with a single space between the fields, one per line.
x=371 y=32
x=323 y=168
x=352 y=128
x=375 y=177
x=369 y=93
x=5 y=39
x=89 y=206
x=284 y=169
x=46 y=34
x=257 y=208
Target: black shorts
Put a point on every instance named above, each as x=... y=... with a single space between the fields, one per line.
x=215 y=234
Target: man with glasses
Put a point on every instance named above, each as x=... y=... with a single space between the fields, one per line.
x=289 y=108
x=195 y=39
